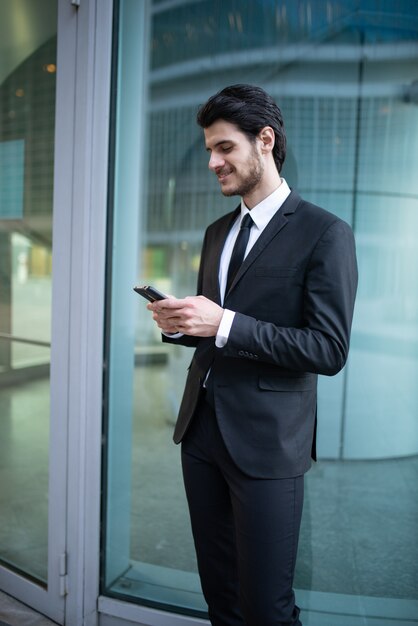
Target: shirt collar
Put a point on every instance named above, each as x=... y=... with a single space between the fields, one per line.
x=264 y=210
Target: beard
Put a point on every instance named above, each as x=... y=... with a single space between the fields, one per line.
x=249 y=179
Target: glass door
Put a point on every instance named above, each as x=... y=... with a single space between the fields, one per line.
x=32 y=507
x=346 y=81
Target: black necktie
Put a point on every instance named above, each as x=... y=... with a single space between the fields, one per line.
x=238 y=252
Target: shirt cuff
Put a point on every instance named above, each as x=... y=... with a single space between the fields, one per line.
x=173 y=335
x=224 y=328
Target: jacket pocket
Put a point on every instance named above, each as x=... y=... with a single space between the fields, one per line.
x=294 y=383
x=275 y=272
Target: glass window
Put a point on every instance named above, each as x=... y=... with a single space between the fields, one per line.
x=346 y=80
x=27 y=118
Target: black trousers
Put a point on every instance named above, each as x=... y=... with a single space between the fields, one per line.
x=245 y=531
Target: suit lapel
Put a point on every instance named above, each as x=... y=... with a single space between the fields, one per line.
x=277 y=222
x=217 y=245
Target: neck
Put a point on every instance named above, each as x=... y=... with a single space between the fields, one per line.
x=266 y=187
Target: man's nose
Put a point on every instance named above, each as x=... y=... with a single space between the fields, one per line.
x=215 y=162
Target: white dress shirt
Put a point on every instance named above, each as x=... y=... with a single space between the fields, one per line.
x=261 y=215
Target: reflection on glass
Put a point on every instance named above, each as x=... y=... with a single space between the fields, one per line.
x=27 y=118
x=352 y=127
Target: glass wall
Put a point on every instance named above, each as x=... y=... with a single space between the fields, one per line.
x=346 y=77
x=28 y=31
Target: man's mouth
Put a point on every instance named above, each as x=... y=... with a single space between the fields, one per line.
x=223 y=175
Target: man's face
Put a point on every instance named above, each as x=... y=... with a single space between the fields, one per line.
x=236 y=161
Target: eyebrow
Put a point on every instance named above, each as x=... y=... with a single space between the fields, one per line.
x=219 y=143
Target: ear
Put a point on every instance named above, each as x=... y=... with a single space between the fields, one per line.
x=267 y=138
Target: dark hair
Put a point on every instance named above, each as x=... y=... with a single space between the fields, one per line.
x=250 y=108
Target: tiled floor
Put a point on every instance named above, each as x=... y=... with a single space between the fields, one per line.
x=24 y=439
x=13 y=613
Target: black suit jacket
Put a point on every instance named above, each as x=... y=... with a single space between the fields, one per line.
x=294 y=298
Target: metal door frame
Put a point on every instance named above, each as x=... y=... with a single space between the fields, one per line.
x=79 y=237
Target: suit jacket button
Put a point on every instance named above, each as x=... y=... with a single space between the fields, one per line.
x=241 y=353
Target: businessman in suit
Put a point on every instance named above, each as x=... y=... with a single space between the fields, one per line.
x=276 y=291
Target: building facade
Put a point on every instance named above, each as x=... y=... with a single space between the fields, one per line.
x=104 y=184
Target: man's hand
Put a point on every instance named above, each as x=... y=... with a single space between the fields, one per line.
x=195 y=315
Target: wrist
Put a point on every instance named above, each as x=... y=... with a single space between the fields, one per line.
x=224 y=328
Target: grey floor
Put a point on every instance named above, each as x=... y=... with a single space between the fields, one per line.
x=14 y=613
x=24 y=439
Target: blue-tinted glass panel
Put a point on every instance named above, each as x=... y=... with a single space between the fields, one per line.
x=28 y=32
x=345 y=75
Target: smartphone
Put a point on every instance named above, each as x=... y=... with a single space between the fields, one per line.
x=150 y=293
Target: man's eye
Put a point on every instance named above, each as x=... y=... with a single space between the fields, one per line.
x=226 y=148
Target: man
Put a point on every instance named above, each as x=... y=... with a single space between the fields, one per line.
x=247 y=420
